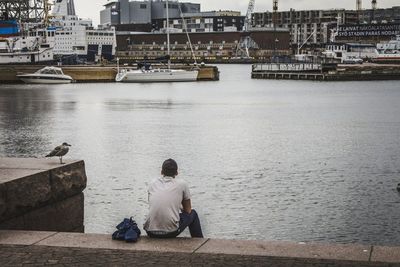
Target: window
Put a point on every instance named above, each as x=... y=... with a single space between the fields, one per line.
x=143 y=6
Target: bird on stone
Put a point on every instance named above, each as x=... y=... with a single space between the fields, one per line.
x=59 y=151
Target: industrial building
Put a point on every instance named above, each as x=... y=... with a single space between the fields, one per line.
x=211 y=21
x=208 y=47
x=142 y=12
x=315 y=27
x=150 y=16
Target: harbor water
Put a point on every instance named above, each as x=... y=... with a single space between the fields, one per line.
x=265 y=159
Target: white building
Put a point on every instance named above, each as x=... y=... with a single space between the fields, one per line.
x=77 y=37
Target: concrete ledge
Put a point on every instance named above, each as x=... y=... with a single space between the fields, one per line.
x=22 y=247
x=386 y=254
x=41 y=194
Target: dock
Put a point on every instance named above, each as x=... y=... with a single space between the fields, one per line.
x=325 y=72
x=90 y=73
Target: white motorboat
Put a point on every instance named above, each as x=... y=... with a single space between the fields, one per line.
x=146 y=74
x=46 y=75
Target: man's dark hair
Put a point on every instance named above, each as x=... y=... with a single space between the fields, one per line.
x=170 y=168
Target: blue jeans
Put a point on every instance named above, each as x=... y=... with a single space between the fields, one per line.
x=192 y=220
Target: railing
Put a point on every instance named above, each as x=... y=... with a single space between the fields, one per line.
x=286 y=67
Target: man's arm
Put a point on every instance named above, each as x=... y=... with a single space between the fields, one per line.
x=187 y=206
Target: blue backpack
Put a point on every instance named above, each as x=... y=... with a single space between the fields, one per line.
x=127 y=231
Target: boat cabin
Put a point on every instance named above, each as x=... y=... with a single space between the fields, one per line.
x=50 y=70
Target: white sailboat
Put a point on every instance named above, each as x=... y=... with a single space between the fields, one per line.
x=146 y=74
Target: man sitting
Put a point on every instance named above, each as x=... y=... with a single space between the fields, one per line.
x=170 y=206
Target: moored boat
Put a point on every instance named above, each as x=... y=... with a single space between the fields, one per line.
x=146 y=74
x=390 y=51
x=46 y=75
x=157 y=75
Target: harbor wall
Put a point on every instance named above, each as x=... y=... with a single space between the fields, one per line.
x=86 y=74
x=42 y=195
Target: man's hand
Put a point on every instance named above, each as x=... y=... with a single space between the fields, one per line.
x=187 y=206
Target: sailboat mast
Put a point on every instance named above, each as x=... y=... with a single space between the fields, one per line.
x=168 y=41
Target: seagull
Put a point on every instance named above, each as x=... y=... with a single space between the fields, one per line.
x=59 y=151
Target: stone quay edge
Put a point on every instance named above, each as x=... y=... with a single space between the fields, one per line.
x=42 y=248
x=41 y=194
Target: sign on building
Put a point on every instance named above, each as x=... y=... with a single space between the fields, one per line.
x=368 y=30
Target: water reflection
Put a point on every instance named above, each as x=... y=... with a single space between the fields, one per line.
x=25 y=120
x=131 y=104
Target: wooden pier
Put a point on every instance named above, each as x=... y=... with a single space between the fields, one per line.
x=325 y=72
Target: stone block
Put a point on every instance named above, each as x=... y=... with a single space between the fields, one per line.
x=68 y=180
x=22 y=237
x=63 y=216
x=3 y=206
x=29 y=184
x=357 y=253
x=386 y=254
x=27 y=193
x=73 y=249
x=8 y=175
x=16 y=223
x=97 y=241
x=33 y=163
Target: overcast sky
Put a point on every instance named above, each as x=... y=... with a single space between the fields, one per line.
x=91 y=8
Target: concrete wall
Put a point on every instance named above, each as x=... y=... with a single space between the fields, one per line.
x=41 y=194
x=124 y=11
x=158 y=10
x=140 y=12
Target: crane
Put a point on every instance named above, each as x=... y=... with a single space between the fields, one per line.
x=246 y=42
x=359 y=8
x=275 y=5
x=247 y=20
x=24 y=10
x=374 y=4
x=358 y=5
x=374 y=7
x=274 y=21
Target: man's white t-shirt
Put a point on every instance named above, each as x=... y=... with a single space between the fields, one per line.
x=165 y=199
